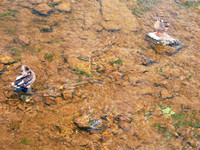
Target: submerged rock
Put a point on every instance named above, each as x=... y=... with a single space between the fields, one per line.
x=42 y=10
x=6 y=60
x=86 y=124
x=22 y=39
x=164 y=44
x=164 y=94
x=66 y=7
x=36 y=1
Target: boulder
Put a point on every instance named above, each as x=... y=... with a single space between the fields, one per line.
x=164 y=44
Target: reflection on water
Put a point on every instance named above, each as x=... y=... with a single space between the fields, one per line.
x=100 y=85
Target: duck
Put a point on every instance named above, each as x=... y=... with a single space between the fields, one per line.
x=161 y=26
x=24 y=80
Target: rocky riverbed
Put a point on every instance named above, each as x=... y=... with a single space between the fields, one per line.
x=99 y=84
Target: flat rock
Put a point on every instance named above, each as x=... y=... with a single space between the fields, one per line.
x=22 y=39
x=164 y=44
x=42 y=9
x=36 y=1
x=82 y=121
x=117 y=17
x=116 y=75
x=165 y=94
x=66 y=7
x=6 y=59
x=1 y=67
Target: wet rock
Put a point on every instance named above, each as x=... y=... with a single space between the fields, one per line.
x=22 y=39
x=42 y=10
x=123 y=122
x=2 y=97
x=64 y=7
x=117 y=75
x=67 y=94
x=117 y=17
x=169 y=71
x=1 y=67
x=36 y=1
x=164 y=44
x=49 y=101
x=86 y=124
x=82 y=121
x=6 y=60
x=165 y=94
x=81 y=67
x=46 y=29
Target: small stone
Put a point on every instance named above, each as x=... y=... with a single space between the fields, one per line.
x=166 y=94
x=67 y=94
x=36 y=1
x=49 y=101
x=22 y=40
x=124 y=125
x=117 y=75
x=1 y=67
x=42 y=9
x=82 y=121
x=64 y=7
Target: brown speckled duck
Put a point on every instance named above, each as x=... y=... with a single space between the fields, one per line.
x=160 y=26
x=25 y=79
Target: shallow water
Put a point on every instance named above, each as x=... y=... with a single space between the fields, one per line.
x=99 y=84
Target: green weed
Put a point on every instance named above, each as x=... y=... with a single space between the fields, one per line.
x=49 y=56
x=10 y=13
x=189 y=76
x=117 y=62
x=16 y=52
x=79 y=72
x=167 y=111
x=26 y=141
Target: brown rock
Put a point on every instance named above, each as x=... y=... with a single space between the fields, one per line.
x=43 y=9
x=117 y=16
x=1 y=67
x=82 y=121
x=117 y=75
x=49 y=101
x=64 y=7
x=166 y=94
x=79 y=65
x=22 y=39
x=6 y=60
x=67 y=94
x=36 y=1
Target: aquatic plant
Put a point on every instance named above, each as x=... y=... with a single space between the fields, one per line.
x=79 y=71
x=117 y=62
x=10 y=13
x=49 y=56
x=167 y=111
x=142 y=6
x=26 y=141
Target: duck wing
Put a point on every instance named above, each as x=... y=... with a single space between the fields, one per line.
x=22 y=80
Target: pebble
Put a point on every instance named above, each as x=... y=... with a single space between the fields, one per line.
x=42 y=9
x=22 y=39
x=166 y=94
x=66 y=7
x=116 y=75
x=1 y=67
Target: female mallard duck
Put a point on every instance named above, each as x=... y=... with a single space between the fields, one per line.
x=161 y=26
x=25 y=79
